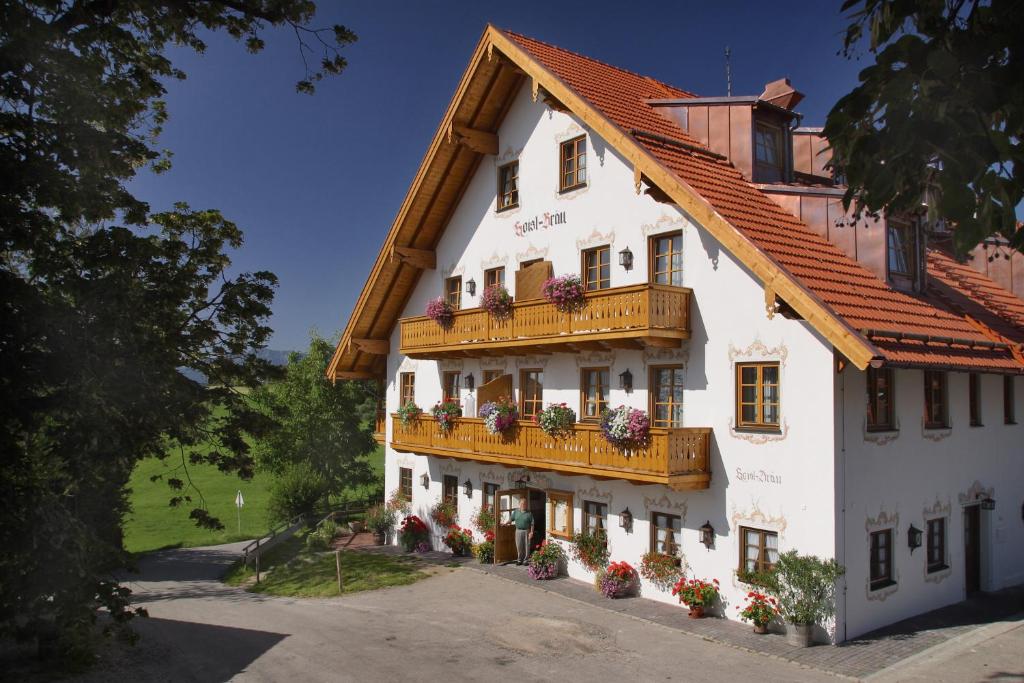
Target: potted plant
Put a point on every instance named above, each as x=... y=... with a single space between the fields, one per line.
x=556 y=420
x=545 y=562
x=759 y=610
x=408 y=413
x=441 y=312
x=499 y=416
x=804 y=586
x=590 y=549
x=661 y=569
x=484 y=550
x=626 y=428
x=446 y=413
x=565 y=293
x=444 y=513
x=459 y=540
x=619 y=580
x=380 y=519
x=697 y=594
x=497 y=301
x=413 y=534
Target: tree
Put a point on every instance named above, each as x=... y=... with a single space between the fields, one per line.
x=939 y=116
x=104 y=302
x=319 y=425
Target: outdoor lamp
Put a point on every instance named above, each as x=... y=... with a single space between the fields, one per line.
x=626 y=381
x=471 y=286
x=987 y=503
x=626 y=519
x=626 y=259
x=467 y=488
x=425 y=480
x=707 y=534
x=913 y=538
x=470 y=381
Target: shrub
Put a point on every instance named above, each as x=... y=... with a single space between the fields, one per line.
x=590 y=550
x=662 y=570
x=619 y=580
x=497 y=301
x=413 y=533
x=446 y=413
x=296 y=492
x=444 y=513
x=398 y=504
x=696 y=592
x=565 y=293
x=380 y=519
x=805 y=587
x=484 y=550
x=441 y=312
x=499 y=416
x=320 y=538
x=408 y=413
x=459 y=540
x=545 y=562
x=625 y=427
x=556 y=420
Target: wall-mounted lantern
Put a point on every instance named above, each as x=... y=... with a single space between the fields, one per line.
x=914 y=536
x=707 y=535
x=425 y=480
x=626 y=520
x=626 y=381
x=470 y=381
x=467 y=488
x=626 y=259
x=471 y=286
x=987 y=503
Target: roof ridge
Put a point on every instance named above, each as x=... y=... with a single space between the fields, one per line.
x=655 y=81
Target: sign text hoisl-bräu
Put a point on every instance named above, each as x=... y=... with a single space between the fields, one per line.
x=540 y=222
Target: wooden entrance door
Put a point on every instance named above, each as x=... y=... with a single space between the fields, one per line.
x=972 y=548
x=504 y=530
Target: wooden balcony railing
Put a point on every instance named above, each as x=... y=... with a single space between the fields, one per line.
x=624 y=316
x=678 y=457
x=379 y=426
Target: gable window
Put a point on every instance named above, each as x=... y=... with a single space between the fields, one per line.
x=881 y=559
x=593 y=392
x=667 y=259
x=667 y=396
x=407 y=388
x=490 y=491
x=935 y=404
x=880 y=406
x=405 y=483
x=759 y=550
x=902 y=248
x=665 y=533
x=769 y=159
x=508 y=186
x=974 y=398
x=1009 y=409
x=936 y=544
x=559 y=514
x=450 y=387
x=757 y=396
x=450 y=489
x=453 y=292
x=494 y=277
x=595 y=518
x=531 y=393
x=573 y=164
x=597 y=268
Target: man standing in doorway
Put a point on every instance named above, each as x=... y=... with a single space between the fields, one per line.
x=523 y=520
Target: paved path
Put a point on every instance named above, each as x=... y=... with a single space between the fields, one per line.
x=457 y=625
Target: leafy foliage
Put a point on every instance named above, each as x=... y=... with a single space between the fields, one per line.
x=590 y=550
x=939 y=116
x=805 y=587
x=298 y=490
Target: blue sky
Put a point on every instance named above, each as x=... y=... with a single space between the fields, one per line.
x=315 y=182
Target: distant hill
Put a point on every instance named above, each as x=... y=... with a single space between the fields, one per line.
x=275 y=356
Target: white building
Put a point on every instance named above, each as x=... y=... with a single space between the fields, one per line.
x=755 y=320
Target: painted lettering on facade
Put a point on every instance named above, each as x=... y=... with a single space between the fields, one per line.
x=759 y=476
x=540 y=222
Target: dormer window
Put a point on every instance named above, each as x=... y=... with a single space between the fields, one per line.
x=769 y=159
x=903 y=252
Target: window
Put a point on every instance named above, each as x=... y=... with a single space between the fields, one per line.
x=450 y=387
x=494 y=276
x=491 y=375
x=450 y=489
x=597 y=268
x=453 y=292
x=880 y=411
x=666 y=533
x=407 y=388
x=667 y=260
x=936 y=544
x=974 y=397
x=902 y=257
x=1009 y=410
x=595 y=518
x=667 y=396
x=573 y=167
x=757 y=395
x=935 y=400
x=490 y=491
x=508 y=186
x=559 y=514
x=881 y=559
x=759 y=550
x=531 y=393
x=593 y=392
x=405 y=483
x=768 y=154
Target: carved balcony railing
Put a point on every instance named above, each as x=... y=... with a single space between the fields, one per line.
x=623 y=317
x=380 y=424
x=676 y=457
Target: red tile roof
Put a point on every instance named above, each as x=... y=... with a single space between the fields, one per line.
x=960 y=304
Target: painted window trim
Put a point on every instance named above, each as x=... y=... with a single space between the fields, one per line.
x=562 y=188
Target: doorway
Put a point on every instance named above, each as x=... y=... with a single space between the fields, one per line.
x=506 y=502
x=972 y=548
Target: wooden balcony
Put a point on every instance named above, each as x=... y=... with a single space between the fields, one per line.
x=623 y=317
x=379 y=427
x=678 y=458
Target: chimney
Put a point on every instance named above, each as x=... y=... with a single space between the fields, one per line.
x=781 y=93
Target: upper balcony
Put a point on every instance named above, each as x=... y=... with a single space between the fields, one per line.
x=678 y=458
x=622 y=317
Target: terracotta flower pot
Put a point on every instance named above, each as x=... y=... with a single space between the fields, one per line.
x=760 y=628
x=697 y=612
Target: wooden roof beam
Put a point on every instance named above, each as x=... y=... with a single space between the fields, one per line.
x=424 y=259
x=354 y=374
x=481 y=141
x=376 y=347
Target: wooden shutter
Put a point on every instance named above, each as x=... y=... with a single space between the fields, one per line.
x=530 y=280
x=495 y=389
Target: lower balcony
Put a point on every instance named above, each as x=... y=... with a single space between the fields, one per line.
x=378 y=427
x=678 y=457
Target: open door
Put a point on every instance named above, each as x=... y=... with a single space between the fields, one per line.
x=538 y=506
x=504 y=530
x=972 y=548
